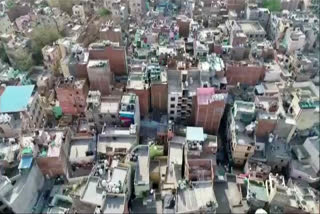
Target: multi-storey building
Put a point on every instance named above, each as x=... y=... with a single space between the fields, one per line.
x=159 y=87
x=51 y=57
x=241 y=131
x=138 y=83
x=102 y=110
x=72 y=95
x=182 y=86
x=100 y=76
x=111 y=51
x=20 y=110
x=209 y=109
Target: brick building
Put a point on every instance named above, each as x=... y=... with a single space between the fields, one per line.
x=72 y=95
x=159 y=88
x=113 y=52
x=100 y=76
x=244 y=73
x=209 y=109
x=184 y=26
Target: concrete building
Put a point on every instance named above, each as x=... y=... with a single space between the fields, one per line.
x=257 y=196
x=182 y=86
x=81 y=153
x=294 y=40
x=241 y=131
x=257 y=170
x=119 y=10
x=159 y=87
x=111 y=33
x=273 y=152
x=209 y=109
x=141 y=178
x=130 y=110
x=102 y=110
x=252 y=30
x=51 y=58
x=117 y=141
x=200 y=159
x=108 y=188
x=305 y=165
x=253 y=12
x=137 y=8
x=267 y=114
x=302 y=105
x=199 y=198
x=229 y=188
x=78 y=11
x=20 y=193
x=50 y=150
x=138 y=83
x=72 y=95
x=173 y=172
x=295 y=197
x=74 y=61
x=22 y=113
x=100 y=76
x=113 y=52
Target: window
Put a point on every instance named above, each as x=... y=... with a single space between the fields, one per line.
x=171 y=112
x=173 y=99
x=171 y=118
x=172 y=106
x=80 y=106
x=246 y=155
x=248 y=148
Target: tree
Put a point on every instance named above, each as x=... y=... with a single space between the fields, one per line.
x=40 y=37
x=66 y=6
x=3 y=55
x=23 y=61
x=103 y=12
x=272 y=5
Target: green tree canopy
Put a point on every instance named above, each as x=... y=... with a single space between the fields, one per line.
x=104 y=12
x=40 y=37
x=272 y=5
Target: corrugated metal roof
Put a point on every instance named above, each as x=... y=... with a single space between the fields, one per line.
x=15 y=98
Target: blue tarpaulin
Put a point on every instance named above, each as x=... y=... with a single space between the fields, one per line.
x=26 y=162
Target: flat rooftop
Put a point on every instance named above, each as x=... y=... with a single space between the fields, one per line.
x=251 y=27
x=113 y=204
x=119 y=142
x=80 y=146
x=195 y=134
x=191 y=200
x=15 y=98
x=142 y=169
x=92 y=194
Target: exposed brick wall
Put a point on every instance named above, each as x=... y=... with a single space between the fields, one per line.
x=250 y=75
x=71 y=100
x=264 y=127
x=116 y=56
x=159 y=97
x=209 y=116
x=51 y=166
x=144 y=100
